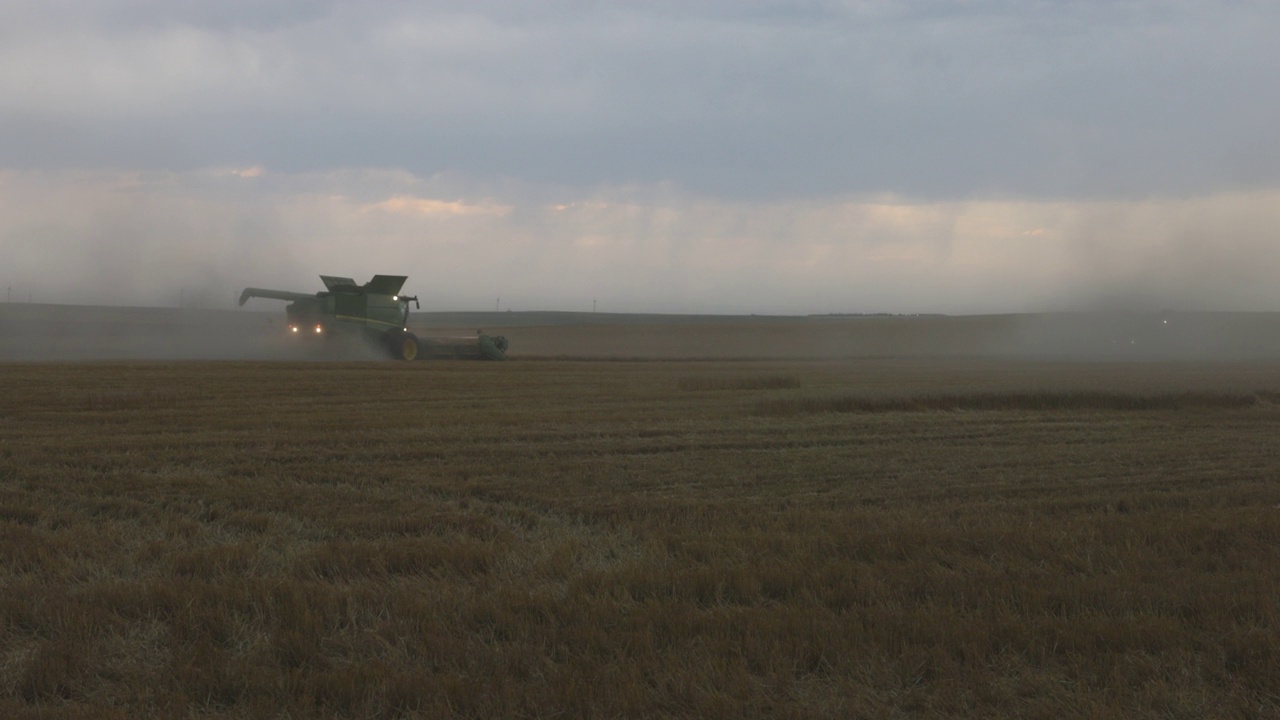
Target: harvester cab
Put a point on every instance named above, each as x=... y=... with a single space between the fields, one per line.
x=375 y=312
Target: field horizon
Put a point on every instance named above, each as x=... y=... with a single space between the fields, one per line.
x=34 y=332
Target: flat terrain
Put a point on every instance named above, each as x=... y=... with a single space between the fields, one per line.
x=942 y=537
x=34 y=332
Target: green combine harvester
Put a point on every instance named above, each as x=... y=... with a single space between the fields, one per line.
x=374 y=313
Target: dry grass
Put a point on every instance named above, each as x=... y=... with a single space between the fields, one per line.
x=639 y=539
x=698 y=383
x=997 y=401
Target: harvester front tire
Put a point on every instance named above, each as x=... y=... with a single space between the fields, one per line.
x=403 y=346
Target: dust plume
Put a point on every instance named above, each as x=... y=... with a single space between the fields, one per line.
x=1213 y=254
x=124 y=239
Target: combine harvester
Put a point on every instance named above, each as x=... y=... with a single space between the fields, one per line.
x=374 y=314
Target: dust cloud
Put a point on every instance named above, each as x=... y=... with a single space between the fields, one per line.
x=35 y=332
x=121 y=239
x=1210 y=254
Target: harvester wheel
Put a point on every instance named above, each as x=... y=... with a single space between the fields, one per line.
x=403 y=345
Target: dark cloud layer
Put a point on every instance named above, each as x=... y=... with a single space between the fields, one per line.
x=735 y=99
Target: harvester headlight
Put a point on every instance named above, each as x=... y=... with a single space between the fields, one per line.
x=395 y=298
x=319 y=329
x=293 y=328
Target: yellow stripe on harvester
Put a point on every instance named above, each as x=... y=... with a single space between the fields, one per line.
x=368 y=320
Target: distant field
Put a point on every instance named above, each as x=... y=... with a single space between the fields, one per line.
x=835 y=539
x=65 y=332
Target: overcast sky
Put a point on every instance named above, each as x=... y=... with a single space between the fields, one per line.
x=693 y=156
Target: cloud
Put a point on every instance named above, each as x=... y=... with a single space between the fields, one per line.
x=760 y=100
x=435 y=208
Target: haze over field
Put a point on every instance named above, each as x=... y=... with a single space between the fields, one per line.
x=700 y=157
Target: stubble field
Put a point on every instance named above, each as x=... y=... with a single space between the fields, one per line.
x=858 y=538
